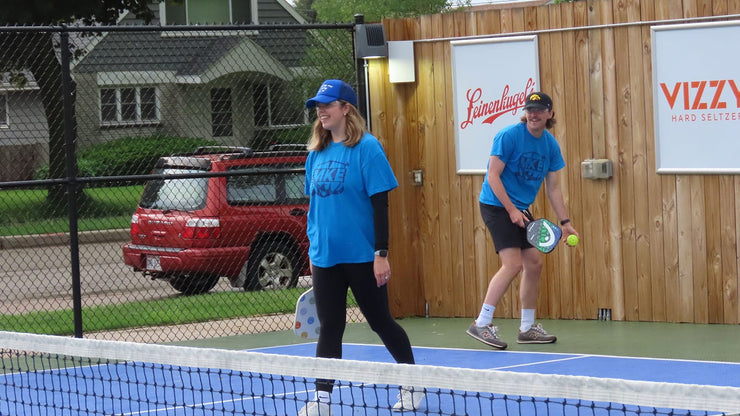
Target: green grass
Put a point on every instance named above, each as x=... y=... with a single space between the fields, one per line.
x=29 y=212
x=169 y=311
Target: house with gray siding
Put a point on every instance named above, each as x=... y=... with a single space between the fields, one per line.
x=224 y=85
x=24 y=133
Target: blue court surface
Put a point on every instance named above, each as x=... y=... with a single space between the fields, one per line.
x=172 y=391
x=645 y=369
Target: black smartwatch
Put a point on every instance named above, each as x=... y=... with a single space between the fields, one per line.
x=381 y=253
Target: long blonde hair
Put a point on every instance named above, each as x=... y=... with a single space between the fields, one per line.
x=355 y=129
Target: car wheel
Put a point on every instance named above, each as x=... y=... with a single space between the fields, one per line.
x=272 y=266
x=193 y=284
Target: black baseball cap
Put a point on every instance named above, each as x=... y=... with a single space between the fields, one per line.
x=538 y=101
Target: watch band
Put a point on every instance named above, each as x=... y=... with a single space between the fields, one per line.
x=381 y=253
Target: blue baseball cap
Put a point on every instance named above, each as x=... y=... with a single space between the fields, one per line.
x=332 y=90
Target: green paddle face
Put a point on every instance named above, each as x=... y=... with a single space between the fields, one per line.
x=543 y=234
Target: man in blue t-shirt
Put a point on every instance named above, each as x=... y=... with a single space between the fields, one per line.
x=522 y=157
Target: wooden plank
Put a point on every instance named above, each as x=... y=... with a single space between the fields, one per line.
x=428 y=213
x=456 y=23
x=579 y=148
x=463 y=201
x=552 y=78
x=732 y=283
x=654 y=189
x=643 y=292
x=729 y=282
x=592 y=222
x=719 y=7
x=697 y=240
x=395 y=121
x=733 y=6
x=625 y=165
x=713 y=246
x=665 y=9
x=685 y=289
x=610 y=286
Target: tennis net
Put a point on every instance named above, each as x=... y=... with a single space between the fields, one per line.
x=51 y=375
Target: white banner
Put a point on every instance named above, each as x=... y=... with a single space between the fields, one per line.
x=696 y=91
x=490 y=82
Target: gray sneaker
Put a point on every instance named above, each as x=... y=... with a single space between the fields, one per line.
x=487 y=335
x=536 y=335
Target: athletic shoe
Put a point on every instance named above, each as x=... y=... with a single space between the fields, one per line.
x=409 y=399
x=536 y=335
x=315 y=408
x=487 y=335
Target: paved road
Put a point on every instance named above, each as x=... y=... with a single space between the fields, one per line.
x=39 y=278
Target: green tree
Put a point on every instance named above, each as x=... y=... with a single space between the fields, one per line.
x=305 y=9
x=375 y=10
x=36 y=52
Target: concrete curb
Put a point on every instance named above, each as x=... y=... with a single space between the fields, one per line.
x=63 y=239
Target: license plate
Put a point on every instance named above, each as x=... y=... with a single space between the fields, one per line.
x=152 y=263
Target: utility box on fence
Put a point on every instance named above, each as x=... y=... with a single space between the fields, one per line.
x=596 y=169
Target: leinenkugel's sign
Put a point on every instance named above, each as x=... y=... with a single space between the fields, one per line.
x=696 y=97
x=490 y=82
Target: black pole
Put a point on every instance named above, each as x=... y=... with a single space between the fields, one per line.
x=360 y=72
x=74 y=243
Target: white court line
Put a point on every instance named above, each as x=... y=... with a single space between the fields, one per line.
x=540 y=362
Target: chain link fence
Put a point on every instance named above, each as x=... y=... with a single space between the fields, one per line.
x=185 y=145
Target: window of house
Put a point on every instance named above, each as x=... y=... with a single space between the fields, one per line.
x=128 y=105
x=221 y=112
x=3 y=110
x=275 y=106
x=190 y=12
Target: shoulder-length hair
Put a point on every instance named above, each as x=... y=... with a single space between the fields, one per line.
x=548 y=125
x=355 y=129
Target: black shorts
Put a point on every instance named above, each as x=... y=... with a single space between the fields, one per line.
x=505 y=233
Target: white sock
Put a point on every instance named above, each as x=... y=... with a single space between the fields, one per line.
x=323 y=396
x=527 y=319
x=486 y=315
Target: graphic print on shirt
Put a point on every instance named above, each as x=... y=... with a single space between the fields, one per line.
x=328 y=178
x=531 y=166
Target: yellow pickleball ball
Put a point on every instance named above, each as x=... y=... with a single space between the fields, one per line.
x=572 y=240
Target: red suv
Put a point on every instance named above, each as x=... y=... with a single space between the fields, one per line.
x=233 y=212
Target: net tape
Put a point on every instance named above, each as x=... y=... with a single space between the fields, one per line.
x=640 y=393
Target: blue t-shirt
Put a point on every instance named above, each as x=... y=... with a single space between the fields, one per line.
x=340 y=181
x=528 y=159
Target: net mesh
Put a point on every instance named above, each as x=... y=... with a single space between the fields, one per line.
x=51 y=375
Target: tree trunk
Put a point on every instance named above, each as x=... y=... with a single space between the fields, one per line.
x=47 y=70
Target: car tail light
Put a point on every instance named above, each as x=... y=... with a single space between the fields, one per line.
x=134 y=225
x=202 y=228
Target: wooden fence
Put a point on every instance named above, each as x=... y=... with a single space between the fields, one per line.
x=653 y=247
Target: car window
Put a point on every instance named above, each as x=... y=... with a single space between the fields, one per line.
x=257 y=187
x=186 y=194
x=250 y=189
x=295 y=186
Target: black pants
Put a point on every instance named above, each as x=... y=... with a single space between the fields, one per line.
x=330 y=289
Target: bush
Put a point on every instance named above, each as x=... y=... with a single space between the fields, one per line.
x=128 y=156
x=264 y=138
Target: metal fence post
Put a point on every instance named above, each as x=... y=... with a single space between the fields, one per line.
x=69 y=135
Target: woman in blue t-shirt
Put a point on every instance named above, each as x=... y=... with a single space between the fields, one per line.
x=523 y=156
x=347 y=179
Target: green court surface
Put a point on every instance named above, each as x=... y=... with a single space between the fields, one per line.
x=707 y=342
